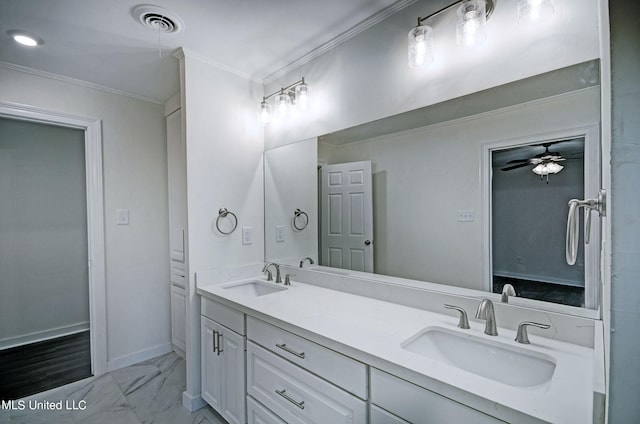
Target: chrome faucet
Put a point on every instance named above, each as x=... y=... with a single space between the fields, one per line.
x=269 y=275
x=306 y=259
x=485 y=311
x=507 y=290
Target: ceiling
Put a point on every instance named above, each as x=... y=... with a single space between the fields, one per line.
x=100 y=41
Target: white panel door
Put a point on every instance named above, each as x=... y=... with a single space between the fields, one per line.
x=347 y=216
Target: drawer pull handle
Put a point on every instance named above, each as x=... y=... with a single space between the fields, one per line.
x=284 y=394
x=293 y=352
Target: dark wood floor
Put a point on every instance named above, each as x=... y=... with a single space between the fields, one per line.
x=556 y=293
x=36 y=367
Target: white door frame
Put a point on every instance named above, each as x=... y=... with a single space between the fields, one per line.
x=95 y=217
x=592 y=184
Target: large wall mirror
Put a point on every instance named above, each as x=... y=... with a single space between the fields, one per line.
x=429 y=172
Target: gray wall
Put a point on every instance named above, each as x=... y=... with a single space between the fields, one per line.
x=625 y=217
x=44 y=289
x=529 y=224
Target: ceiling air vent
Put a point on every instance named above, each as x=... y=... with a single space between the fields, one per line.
x=157 y=19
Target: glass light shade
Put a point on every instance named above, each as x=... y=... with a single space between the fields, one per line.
x=471 y=22
x=265 y=115
x=534 y=10
x=547 y=168
x=302 y=96
x=283 y=101
x=420 y=46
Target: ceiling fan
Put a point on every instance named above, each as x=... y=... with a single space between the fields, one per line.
x=542 y=160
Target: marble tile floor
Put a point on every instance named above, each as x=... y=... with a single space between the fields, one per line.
x=149 y=392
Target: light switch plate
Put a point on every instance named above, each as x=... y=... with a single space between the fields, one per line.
x=247 y=235
x=465 y=216
x=122 y=216
x=279 y=233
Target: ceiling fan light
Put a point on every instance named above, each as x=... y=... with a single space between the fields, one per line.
x=547 y=168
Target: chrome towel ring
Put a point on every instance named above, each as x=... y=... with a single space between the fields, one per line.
x=223 y=213
x=298 y=214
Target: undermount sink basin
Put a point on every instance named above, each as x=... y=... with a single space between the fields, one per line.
x=253 y=288
x=495 y=360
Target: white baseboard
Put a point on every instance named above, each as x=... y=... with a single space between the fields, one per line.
x=134 y=358
x=192 y=403
x=40 y=336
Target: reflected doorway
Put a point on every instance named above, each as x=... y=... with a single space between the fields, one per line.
x=530 y=186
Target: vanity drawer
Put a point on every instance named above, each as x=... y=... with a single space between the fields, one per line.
x=345 y=372
x=418 y=405
x=223 y=314
x=258 y=414
x=297 y=396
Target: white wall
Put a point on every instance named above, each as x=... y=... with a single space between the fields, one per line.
x=368 y=78
x=224 y=170
x=423 y=177
x=44 y=290
x=135 y=178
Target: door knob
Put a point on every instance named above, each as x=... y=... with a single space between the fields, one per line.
x=367 y=242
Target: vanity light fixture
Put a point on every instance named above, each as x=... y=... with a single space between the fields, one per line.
x=534 y=10
x=25 y=38
x=472 y=16
x=295 y=95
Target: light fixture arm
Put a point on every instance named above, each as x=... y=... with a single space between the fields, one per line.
x=490 y=5
x=283 y=90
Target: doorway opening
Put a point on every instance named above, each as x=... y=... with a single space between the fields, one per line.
x=528 y=185
x=52 y=249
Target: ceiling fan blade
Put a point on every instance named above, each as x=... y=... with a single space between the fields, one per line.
x=518 y=161
x=509 y=168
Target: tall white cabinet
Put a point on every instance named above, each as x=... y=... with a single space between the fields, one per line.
x=178 y=260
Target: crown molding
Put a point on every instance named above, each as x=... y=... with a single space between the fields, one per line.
x=339 y=39
x=181 y=53
x=74 y=81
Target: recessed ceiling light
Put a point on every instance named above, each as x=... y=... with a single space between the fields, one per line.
x=25 y=38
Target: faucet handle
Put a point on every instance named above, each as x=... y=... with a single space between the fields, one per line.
x=463 y=322
x=269 y=274
x=507 y=290
x=522 y=336
x=287 y=279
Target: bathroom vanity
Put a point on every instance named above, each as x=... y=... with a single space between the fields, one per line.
x=332 y=348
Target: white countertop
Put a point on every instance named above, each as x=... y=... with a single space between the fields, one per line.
x=372 y=331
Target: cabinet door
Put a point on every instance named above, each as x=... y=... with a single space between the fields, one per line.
x=178 y=319
x=177 y=180
x=223 y=371
x=233 y=373
x=211 y=365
